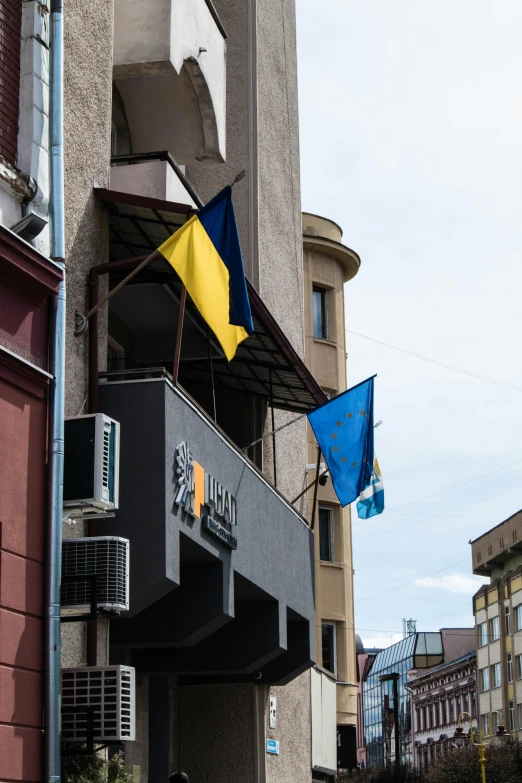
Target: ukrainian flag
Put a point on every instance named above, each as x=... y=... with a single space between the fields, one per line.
x=205 y=253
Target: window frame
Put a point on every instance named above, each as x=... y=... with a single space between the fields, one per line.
x=511 y=713
x=518 y=665
x=507 y=619
x=484 y=679
x=495 y=679
x=519 y=716
x=331 y=536
x=483 y=637
x=323 y=293
x=518 y=617
x=332 y=625
x=509 y=666
x=494 y=628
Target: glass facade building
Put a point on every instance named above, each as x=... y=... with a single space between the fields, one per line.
x=386 y=700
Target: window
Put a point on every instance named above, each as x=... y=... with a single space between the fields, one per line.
x=473 y=705
x=484 y=682
x=518 y=618
x=424 y=723
x=483 y=634
x=443 y=712
x=115 y=355
x=510 y=667
x=494 y=629
x=494 y=723
x=484 y=725
x=519 y=716
x=507 y=616
x=495 y=675
x=518 y=660
x=329 y=648
x=326 y=540
x=320 y=309
x=511 y=715
x=465 y=702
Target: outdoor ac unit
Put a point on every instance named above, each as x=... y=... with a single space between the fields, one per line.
x=91 y=467
x=107 y=558
x=110 y=690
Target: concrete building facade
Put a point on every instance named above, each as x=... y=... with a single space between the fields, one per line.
x=161 y=111
x=328 y=265
x=497 y=607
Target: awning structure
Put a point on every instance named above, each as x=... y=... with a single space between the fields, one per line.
x=266 y=364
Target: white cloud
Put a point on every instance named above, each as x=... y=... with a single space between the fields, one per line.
x=453 y=583
x=380 y=640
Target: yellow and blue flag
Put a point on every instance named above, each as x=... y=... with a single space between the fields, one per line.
x=344 y=431
x=206 y=254
x=371 y=499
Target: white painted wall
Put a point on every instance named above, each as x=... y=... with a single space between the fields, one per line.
x=33 y=136
x=324 y=720
x=153 y=179
x=160 y=37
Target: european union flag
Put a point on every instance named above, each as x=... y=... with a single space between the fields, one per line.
x=344 y=431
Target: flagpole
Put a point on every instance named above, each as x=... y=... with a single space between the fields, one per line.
x=314 y=503
x=120 y=285
x=177 y=351
x=309 y=486
x=211 y=372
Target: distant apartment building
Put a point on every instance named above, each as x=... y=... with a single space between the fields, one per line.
x=497 y=607
x=328 y=265
x=437 y=700
x=386 y=692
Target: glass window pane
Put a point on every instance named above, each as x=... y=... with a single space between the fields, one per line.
x=328 y=644
x=326 y=535
x=320 y=313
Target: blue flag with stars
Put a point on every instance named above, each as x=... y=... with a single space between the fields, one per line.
x=344 y=431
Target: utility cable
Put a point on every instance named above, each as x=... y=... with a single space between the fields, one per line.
x=435 y=361
x=417 y=578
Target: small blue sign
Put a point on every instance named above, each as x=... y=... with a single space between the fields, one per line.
x=272 y=746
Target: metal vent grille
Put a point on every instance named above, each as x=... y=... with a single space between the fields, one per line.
x=105 y=557
x=110 y=691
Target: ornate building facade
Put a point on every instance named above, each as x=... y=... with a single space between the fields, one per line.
x=437 y=700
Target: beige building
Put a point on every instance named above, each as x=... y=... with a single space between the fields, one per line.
x=328 y=265
x=497 y=607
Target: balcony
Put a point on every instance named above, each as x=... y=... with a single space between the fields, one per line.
x=152 y=175
x=215 y=596
x=170 y=70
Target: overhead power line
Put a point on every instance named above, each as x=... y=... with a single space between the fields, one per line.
x=440 y=364
x=407 y=584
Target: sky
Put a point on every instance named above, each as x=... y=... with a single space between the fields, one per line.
x=411 y=140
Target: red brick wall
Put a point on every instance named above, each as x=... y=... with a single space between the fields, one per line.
x=10 y=31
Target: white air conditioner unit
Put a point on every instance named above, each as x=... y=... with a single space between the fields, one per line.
x=106 y=558
x=110 y=691
x=91 y=462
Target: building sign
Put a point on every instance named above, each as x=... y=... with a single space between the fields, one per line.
x=196 y=489
x=272 y=746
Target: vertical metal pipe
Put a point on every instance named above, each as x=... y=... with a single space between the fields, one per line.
x=316 y=486
x=273 y=426
x=57 y=406
x=179 y=333
x=92 y=625
x=211 y=373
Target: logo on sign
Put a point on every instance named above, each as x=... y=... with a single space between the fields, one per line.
x=195 y=489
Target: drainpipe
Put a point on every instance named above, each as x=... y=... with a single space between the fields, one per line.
x=54 y=553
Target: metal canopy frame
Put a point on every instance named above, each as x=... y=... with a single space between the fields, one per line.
x=266 y=364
